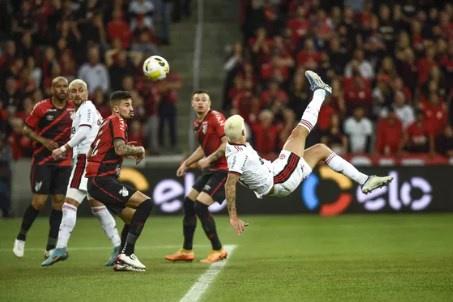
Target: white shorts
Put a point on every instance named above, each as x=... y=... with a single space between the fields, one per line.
x=289 y=171
x=77 y=186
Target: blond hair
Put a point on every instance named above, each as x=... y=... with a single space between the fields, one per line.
x=234 y=127
x=78 y=81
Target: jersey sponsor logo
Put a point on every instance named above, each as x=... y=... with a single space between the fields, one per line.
x=123 y=192
x=204 y=127
x=282 y=156
x=38 y=186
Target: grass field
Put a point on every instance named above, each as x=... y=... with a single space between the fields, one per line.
x=279 y=258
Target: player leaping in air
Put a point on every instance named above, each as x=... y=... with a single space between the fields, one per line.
x=282 y=176
x=85 y=126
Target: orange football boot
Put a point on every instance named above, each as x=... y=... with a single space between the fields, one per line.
x=181 y=255
x=215 y=256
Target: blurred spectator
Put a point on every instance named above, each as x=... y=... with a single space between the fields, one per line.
x=435 y=114
x=404 y=112
x=265 y=135
x=363 y=66
x=168 y=90
x=334 y=137
x=5 y=177
x=389 y=135
x=94 y=73
x=444 y=144
x=359 y=130
x=141 y=11
x=418 y=138
x=118 y=28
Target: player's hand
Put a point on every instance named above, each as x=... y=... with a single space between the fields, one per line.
x=238 y=225
x=49 y=144
x=204 y=163
x=58 y=154
x=140 y=156
x=181 y=170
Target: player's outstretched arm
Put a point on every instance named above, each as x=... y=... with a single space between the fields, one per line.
x=48 y=143
x=218 y=153
x=79 y=136
x=230 y=191
x=193 y=158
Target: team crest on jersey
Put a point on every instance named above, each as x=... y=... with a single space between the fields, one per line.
x=123 y=192
x=72 y=130
x=282 y=156
x=204 y=127
x=38 y=186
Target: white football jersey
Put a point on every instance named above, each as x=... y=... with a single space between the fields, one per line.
x=256 y=172
x=86 y=115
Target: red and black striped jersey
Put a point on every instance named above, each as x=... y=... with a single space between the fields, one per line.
x=52 y=123
x=209 y=132
x=103 y=160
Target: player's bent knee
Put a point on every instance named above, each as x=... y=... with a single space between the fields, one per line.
x=72 y=202
x=38 y=201
x=126 y=214
x=205 y=198
x=136 y=199
x=193 y=194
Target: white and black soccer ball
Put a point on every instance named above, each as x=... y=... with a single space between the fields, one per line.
x=156 y=68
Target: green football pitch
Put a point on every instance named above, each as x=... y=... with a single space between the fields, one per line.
x=279 y=258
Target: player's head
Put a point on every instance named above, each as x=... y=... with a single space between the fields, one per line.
x=78 y=91
x=235 y=129
x=121 y=103
x=201 y=102
x=60 y=88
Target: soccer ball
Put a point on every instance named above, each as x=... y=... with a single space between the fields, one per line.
x=156 y=68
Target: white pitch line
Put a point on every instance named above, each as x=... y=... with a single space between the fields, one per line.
x=99 y=248
x=204 y=281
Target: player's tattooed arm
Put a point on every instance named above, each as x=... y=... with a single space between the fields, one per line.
x=230 y=190
x=48 y=143
x=123 y=149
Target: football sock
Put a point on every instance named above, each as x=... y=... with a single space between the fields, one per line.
x=108 y=224
x=29 y=217
x=124 y=232
x=68 y=222
x=208 y=223
x=310 y=115
x=136 y=226
x=339 y=164
x=54 y=222
x=189 y=223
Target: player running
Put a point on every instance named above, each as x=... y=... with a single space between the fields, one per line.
x=103 y=169
x=49 y=126
x=85 y=126
x=209 y=187
x=282 y=176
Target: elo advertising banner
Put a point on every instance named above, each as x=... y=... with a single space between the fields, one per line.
x=324 y=192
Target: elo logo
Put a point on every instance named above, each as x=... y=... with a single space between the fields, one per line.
x=311 y=200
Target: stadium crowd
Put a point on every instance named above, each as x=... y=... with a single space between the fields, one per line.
x=101 y=42
x=390 y=65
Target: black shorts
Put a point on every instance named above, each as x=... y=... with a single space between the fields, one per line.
x=212 y=183
x=49 y=179
x=109 y=191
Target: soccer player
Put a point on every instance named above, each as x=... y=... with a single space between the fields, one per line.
x=49 y=126
x=282 y=176
x=209 y=187
x=104 y=164
x=85 y=126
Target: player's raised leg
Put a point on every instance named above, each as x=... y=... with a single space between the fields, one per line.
x=321 y=152
x=296 y=141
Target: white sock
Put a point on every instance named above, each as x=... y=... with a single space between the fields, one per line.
x=108 y=224
x=339 y=164
x=310 y=115
x=68 y=221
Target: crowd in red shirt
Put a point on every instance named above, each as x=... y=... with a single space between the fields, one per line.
x=42 y=39
x=393 y=60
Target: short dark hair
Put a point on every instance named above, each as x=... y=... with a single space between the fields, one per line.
x=199 y=91
x=118 y=96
